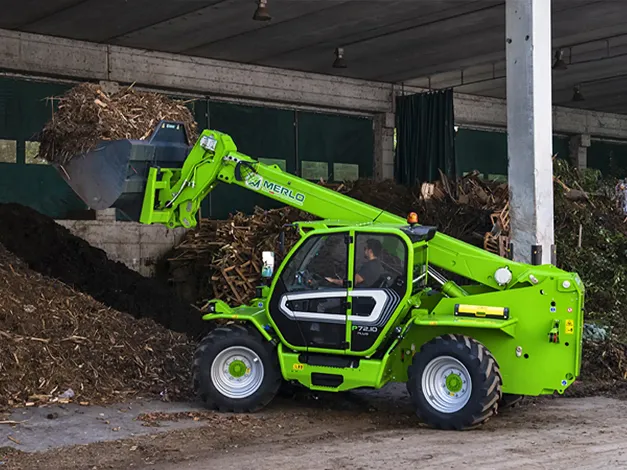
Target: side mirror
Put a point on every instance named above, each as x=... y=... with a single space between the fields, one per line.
x=267 y=258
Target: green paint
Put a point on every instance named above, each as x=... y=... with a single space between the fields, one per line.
x=237 y=369
x=454 y=383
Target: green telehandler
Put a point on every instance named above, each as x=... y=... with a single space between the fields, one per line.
x=361 y=300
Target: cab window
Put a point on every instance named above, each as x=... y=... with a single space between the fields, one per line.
x=320 y=257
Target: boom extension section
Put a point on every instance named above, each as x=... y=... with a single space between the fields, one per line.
x=173 y=197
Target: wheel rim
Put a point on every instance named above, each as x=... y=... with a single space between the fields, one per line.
x=446 y=384
x=237 y=372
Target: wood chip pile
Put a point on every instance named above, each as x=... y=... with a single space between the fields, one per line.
x=86 y=115
x=60 y=345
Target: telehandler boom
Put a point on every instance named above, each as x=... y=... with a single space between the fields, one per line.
x=351 y=305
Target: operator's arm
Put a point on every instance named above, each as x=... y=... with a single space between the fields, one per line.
x=339 y=282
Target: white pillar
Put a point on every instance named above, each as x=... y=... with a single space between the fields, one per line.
x=530 y=128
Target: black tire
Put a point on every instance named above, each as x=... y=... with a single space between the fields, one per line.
x=484 y=374
x=217 y=341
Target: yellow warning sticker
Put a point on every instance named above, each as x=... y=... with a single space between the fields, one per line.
x=298 y=366
x=570 y=327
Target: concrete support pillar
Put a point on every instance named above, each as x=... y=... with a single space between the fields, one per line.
x=384 y=146
x=579 y=150
x=530 y=129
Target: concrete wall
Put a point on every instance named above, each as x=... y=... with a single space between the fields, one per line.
x=136 y=245
x=32 y=54
x=44 y=55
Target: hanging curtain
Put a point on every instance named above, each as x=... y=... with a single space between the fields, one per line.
x=425 y=137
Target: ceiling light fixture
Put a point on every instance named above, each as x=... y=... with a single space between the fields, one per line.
x=339 y=62
x=261 y=13
x=577 y=95
x=559 y=61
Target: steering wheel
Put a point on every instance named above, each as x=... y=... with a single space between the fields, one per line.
x=309 y=279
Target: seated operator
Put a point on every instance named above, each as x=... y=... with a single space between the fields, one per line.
x=371 y=270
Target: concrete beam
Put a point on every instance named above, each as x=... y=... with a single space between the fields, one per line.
x=32 y=54
x=489 y=112
x=471 y=110
x=25 y=52
x=529 y=129
x=45 y=55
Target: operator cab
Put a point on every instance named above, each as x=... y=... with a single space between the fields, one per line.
x=339 y=290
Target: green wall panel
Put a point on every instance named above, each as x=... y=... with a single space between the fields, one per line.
x=260 y=133
x=25 y=107
x=39 y=187
x=486 y=151
x=483 y=151
x=326 y=138
x=609 y=157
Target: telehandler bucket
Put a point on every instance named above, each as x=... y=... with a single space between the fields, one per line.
x=114 y=173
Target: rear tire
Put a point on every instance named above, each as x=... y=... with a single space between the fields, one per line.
x=454 y=383
x=235 y=369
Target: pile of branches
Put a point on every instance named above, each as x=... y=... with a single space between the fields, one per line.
x=467 y=208
x=591 y=239
x=87 y=114
x=59 y=345
x=222 y=259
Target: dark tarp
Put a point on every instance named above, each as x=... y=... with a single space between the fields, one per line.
x=425 y=137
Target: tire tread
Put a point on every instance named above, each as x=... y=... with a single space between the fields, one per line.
x=212 y=341
x=477 y=357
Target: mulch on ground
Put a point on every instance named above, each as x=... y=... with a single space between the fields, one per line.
x=60 y=344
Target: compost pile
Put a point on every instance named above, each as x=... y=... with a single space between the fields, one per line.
x=222 y=259
x=54 y=251
x=61 y=345
x=87 y=114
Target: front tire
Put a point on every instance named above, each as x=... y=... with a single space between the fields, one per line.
x=235 y=369
x=454 y=383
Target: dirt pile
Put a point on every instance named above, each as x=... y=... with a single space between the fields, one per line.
x=53 y=251
x=55 y=339
x=87 y=114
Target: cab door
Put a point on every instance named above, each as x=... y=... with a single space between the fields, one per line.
x=380 y=280
x=309 y=301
